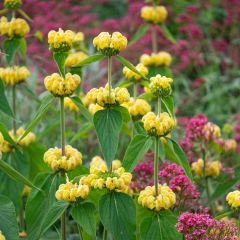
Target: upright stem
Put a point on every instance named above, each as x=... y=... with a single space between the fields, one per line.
x=14 y=109
x=134 y=90
x=110 y=75
x=156 y=164
x=154 y=39
x=80 y=232
x=62 y=116
x=104 y=234
x=159 y=105
x=63 y=226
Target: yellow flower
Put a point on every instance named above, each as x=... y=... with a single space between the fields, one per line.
x=61 y=40
x=213 y=169
x=14 y=75
x=72 y=158
x=129 y=74
x=1 y=140
x=94 y=107
x=17 y=27
x=12 y=4
x=60 y=87
x=156 y=59
x=101 y=96
x=165 y=199
x=78 y=37
x=160 y=85
x=137 y=107
x=110 y=44
x=29 y=138
x=2 y=236
x=26 y=191
x=211 y=131
x=70 y=192
x=229 y=145
x=154 y=15
x=68 y=103
x=99 y=177
x=158 y=125
x=75 y=58
x=233 y=199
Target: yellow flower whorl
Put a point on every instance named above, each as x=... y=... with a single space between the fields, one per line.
x=160 y=85
x=137 y=107
x=154 y=15
x=60 y=87
x=110 y=44
x=78 y=37
x=156 y=59
x=211 y=131
x=29 y=138
x=213 y=169
x=14 y=75
x=166 y=198
x=68 y=103
x=158 y=125
x=233 y=199
x=75 y=58
x=99 y=177
x=94 y=107
x=12 y=4
x=70 y=192
x=129 y=74
x=101 y=96
x=72 y=158
x=2 y=236
x=60 y=41
x=17 y=27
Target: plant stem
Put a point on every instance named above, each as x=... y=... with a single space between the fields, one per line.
x=14 y=109
x=134 y=90
x=154 y=39
x=21 y=216
x=80 y=232
x=63 y=226
x=104 y=234
x=156 y=164
x=62 y=116
x=109 y=76
x=159 y=105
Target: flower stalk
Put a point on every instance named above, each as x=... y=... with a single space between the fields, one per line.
x=63 y=226
x=154 y=39
x=62 y=116
x=14 y=109
x=109 y=76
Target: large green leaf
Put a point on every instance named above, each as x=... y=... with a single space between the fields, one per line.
x=126 y=63
x=4 y=106
x=10 y=47
x=8 y=219
x=108 y=124
x=90 y=59
x=45 y=105
x=22 y=47
x=84 y=215
x=167 y=33
x=169 y=105
x=135 y=151
x=83 y=110
x=60 y=58
x=175 y=153
x=125 y=114
x=139 y=34
x=118 y=215
x=160 y=226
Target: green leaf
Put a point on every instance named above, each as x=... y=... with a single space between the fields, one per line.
x=167 y=33
x=90 y=59
x=84 y=215
x=6 y=135
x=46 y=102
x=126 y=63
x=24 y=15
x=175 y=153
x=118 y=215
x=162 y=153
x=8 y=219
x=139 y=34
x=125 y=84
x=15 y=175
x=60 y=58
x=135 y=151
x=125 y=114
x=83 y=110
x=223 y=215
x=4 y=106
x=169 y=105
x=55 y=213
x=10 y=47
x=108 y=124
x=160 y=226
x=139 y=128
x=22 y=47
x=85 y=128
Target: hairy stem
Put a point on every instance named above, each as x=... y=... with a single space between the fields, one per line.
x=159 y=105
x=14 y=109
x=62 y=116
x=63 y=226
x=154 y=39
x=156 y=164
x=109 y=76
x=134 y=90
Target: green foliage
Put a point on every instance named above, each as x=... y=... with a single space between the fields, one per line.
x=60 y=58
x=142 y=30
x=169 y=105
x=4 y=106
x=8 y=221
x=90 y=59
x=118 y=215
x=167 y=33
x=108 y=124
x=135 y=151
